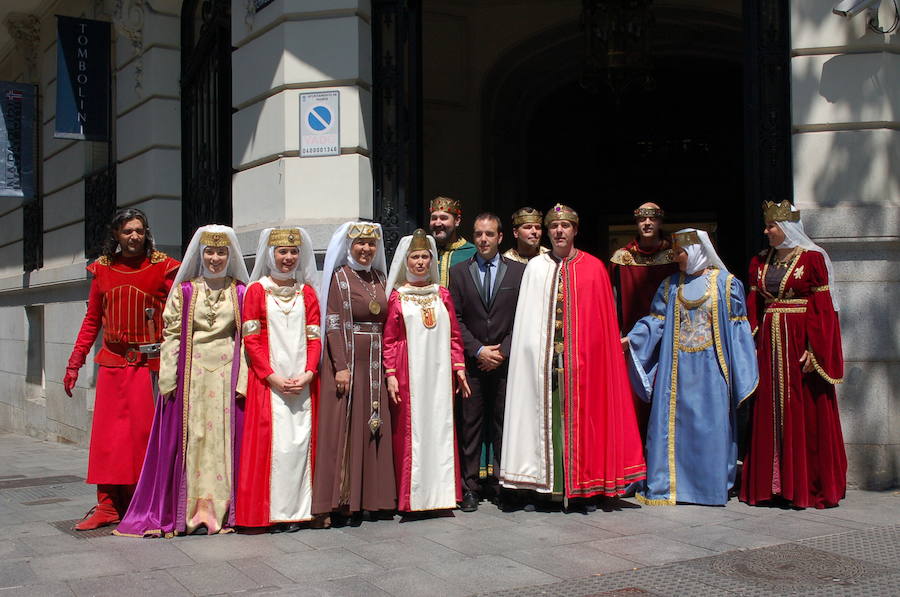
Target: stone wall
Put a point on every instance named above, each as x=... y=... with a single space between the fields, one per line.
x=845 y=96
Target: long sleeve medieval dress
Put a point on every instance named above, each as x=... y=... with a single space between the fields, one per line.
x=354 y=464
x=281 y=336
x=796 y=449
x=423 y=348
x=188 y=475
x=694 y=361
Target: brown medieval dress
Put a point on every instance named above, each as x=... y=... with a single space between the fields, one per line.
x=354 y=465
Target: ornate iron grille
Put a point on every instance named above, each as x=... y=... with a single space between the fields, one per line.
x=767 y=124
x=99 y=207
x=397 y=117
x=205 y=114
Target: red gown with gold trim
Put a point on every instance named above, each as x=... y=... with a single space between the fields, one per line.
x=121 y=290
x=796 y=449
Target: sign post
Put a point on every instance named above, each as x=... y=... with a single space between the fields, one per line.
x=320 y=124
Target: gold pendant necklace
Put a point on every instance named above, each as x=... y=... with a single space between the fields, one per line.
x=374 y=305
x=212 y=304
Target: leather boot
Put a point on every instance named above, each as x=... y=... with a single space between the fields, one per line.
x=104 y=513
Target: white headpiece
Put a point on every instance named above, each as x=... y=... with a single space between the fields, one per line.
x=398 y=275
x=702 y=255
x=304 y=272
x=192 y=264
x=795 y=236
x=338 y=254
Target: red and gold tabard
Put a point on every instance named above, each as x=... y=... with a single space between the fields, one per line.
x=123 y=407
x=121 y=292
x=636 y=274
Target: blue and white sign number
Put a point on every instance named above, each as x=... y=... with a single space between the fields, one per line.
x=320 y=124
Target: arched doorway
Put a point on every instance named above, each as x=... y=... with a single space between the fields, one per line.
x=678 y=142
x=205 y=114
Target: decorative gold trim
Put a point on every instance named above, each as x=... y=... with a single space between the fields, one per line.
x=313 y=332
x=717 y=336
x=673 y=397
x=285 y=237
x=658 y=316
x=561 y=212
x=364 y=230
x=789 y=301
x=668 y=285
x=789 y=271
x=750 y=393
x=188 y=368
x=389 y=371
x=779 y=212
x=445 y=204
x=785 y=309
x=819 y=288
x=821 y=371
x=214 y=239
x=158 y=257
x=651 y=502
x=251 y=327
x=649 y=212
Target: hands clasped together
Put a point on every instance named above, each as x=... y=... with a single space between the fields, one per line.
x=290 y=385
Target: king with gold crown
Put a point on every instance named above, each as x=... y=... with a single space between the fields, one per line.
x=444 y=221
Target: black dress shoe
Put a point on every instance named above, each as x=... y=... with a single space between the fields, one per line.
x=292 y=527
x=469 y=502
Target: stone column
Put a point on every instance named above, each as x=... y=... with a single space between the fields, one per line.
x=287 y=48
x=846 y=148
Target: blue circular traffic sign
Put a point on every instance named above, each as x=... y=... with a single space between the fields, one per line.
x=319 y=118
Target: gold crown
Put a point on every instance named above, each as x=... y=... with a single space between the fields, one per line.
x=214 y=239
x=527 y=215
x=649 y=212
x=285 y=237
x=451 y=206
x=419 y=242
x=779 y=212
x=683 y=239
x=364 y=230
x=561 y=212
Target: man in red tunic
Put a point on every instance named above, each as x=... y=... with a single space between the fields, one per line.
x=569 y=428
x=128 y=293
x=637 y=269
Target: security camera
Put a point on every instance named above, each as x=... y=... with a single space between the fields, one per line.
x=851 y=8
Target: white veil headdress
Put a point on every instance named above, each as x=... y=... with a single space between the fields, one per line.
x=192 y=264
x=338 y=254
x=397 y=276
x=795 y=236
x=305 y=272
x=703 y=255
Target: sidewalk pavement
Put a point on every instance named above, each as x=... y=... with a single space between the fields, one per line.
x=632 y=550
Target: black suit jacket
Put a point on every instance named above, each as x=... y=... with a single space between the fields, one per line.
x=480 y=324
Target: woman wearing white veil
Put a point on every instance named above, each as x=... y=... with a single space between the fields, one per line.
x=283 y=345
x=354 y=464
x=795 y=452
x=423 y=360
x=692 y=358
x=187 y=481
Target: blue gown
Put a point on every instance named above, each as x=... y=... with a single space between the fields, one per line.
x=694 y=361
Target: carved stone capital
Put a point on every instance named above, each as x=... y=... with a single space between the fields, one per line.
x=25 y=30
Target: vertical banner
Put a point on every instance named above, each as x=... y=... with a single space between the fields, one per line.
x=17 y=139
x=82 y=79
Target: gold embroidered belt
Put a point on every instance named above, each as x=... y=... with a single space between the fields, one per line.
x=367 y=327
x=787 y=306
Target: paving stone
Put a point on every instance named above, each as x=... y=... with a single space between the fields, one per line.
x=649 y=549
x=31 y=529
x=343 y=587
x=415 y=582
x=325 y=538
x=14 y=549
x=408 y=551
x=631 y=523
x=54 y=544
x=493 y=572
x=150 y=583
x=720 y=538
x=212 y=579
x=261 y=573
x=321 y=564
x=787 y=527
x=14 y=574
x=145 y=554
x=86 y=564
x=231 y=547
x=55 y=589
x=571 y=561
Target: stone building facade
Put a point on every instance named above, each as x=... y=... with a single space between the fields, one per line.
x=490 y=101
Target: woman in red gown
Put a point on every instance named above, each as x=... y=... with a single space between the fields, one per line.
x=796 y=451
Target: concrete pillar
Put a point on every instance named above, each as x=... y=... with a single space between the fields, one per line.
x=845 y=94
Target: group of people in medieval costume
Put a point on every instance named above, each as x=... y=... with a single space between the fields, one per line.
x=259 y=401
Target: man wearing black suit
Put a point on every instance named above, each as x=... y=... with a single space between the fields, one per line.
x=485 y=290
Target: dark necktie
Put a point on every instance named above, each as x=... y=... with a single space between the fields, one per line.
x=487 y=281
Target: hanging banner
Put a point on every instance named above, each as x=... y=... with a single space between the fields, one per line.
x=82 y=79
x=17 y=138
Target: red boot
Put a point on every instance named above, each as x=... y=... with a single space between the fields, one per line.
x=104 y=513
x=121 y=496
